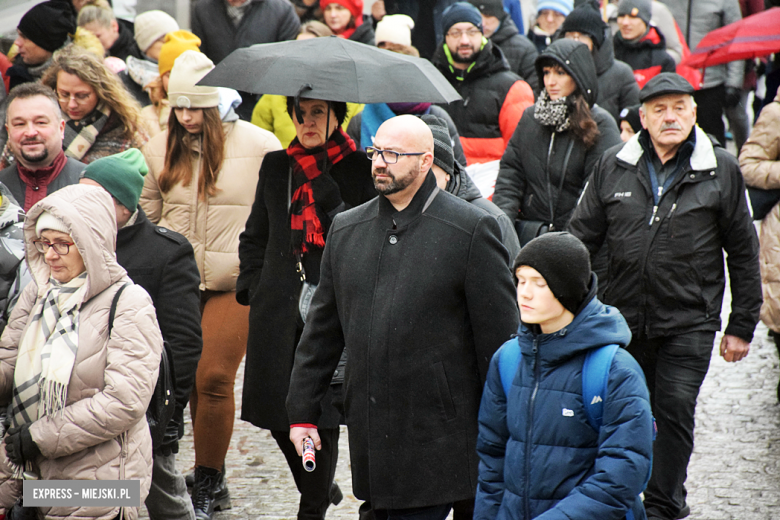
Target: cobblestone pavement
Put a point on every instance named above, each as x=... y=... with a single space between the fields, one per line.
x=734 y=473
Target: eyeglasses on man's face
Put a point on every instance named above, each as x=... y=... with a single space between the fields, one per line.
x=61 y=248
x=457 y=35
x=389 y=156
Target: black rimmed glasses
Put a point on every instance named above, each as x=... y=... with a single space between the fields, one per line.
x=61 y=248
x=389 y=156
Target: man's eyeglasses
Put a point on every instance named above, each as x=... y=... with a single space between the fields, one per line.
x=80 y=97
x=471 y=33
x=61 y=248
x=389 y=156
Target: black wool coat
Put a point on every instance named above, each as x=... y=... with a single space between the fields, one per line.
x=269 y=283
x=420 y=299
x=163 y=263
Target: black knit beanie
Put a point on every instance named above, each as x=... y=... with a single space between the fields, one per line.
x=631 y=116
x=564 y=262
x=443 y=156
x=48 y=24
x=460 y=12
x=490 y=7
x=585 y=19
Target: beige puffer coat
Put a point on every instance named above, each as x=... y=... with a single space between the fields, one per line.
x=102 y=433
x=213 y=225
x=760 y=164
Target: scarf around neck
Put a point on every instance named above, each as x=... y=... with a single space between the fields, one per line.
x=552 y=113
x=306 y=164
x=47 y=352
x=81 y=135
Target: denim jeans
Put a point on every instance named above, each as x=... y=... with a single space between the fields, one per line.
x=674 y=367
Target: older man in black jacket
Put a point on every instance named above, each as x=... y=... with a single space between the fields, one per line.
x=162 y=262
x=668 y=203
x=415 y=285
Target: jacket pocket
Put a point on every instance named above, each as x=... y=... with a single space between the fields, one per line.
x=444 y=390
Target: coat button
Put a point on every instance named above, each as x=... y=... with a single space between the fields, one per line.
x=693 y=176
x=393 y=239
x=712 y=173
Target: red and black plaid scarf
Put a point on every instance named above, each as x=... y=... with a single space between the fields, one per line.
x=307 y=231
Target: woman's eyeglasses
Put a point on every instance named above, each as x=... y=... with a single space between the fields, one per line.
x=61 y=248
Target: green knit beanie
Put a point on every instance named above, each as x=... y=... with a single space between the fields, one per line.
x=122 y=175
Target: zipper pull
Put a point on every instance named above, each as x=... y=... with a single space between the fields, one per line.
x=671 y=211
x=652 y=217
x=660 y=191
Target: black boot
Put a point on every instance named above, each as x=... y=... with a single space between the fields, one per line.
x=209 y=494
x=776 y=338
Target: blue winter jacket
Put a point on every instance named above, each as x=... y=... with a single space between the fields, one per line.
x=539 y=456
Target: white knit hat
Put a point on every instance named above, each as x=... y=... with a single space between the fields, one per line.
x=48 y=221
x=395 y=28
x=188 y=69
x=151 y=26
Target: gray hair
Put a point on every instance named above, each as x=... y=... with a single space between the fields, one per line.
x=92 y=13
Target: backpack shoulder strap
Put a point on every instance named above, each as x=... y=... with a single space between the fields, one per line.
x=508 y=361
x=595 y=375
x=112 y=310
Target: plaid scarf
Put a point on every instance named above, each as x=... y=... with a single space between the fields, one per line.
x=307 y=231
x=47 y=353
x=81 y=135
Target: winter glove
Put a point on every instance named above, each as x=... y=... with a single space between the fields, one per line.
x=732 y=97
x=19 y=445
x=327 y=194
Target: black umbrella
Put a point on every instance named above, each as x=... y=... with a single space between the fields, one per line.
x=335 y=69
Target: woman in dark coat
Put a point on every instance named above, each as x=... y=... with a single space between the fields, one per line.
x=299 y=192
x=556 y=144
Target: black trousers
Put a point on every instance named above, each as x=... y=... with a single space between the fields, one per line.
x=709 y=112
x=674 y=367
x=417 y=513
x=315 y=487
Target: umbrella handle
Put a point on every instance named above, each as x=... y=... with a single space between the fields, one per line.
x=304 y=87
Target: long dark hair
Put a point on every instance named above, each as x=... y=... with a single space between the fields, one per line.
x=581 y=121
x=178 y=158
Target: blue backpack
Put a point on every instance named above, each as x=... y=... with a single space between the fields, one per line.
x=595 y=376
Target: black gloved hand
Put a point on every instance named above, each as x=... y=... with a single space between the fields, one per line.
x=19 y=445
x=327 y=194
x=733 y=97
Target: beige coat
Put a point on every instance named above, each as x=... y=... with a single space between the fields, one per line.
x=760 y=164
x=102 y=433
x=155 y=119
x=213 y=225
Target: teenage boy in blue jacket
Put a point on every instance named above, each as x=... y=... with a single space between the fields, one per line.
x=540 y=456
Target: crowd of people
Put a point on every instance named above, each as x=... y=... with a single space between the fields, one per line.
x=357 y=258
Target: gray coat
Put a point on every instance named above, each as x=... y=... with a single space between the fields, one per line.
x=696 y=18
x=69 y=175
x=265 y=21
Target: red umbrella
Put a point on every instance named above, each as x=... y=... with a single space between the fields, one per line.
x=751 y=37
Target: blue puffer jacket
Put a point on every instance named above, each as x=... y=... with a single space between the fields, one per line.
x=539 y=456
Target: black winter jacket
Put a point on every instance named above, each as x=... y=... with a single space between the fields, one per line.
x=518 y=51
x=125 y=45
x=646 y=56
x=666 y=261
x=269 y=283
x=543 y=172
x=617 y=87
x=463 y=187
x=488 y=98
x=420 y=299
x=364 y=33
x=265 y=21
x=163 y=262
